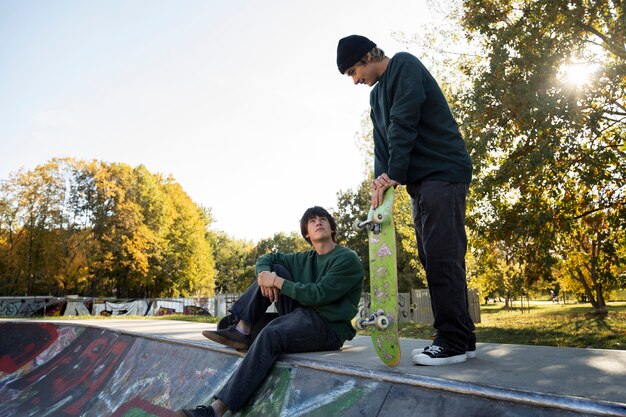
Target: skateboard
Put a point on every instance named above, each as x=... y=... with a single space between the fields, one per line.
x=383 y=320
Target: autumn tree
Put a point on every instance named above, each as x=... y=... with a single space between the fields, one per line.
x=189 y=265
x=32 y=206
x=548 y=146
x=96 y=228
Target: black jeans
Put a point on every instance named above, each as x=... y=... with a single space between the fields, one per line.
x=296 y=329
x=439 y=220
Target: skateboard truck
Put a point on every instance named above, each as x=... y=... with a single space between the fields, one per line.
x=377 y=319
x=371 y=225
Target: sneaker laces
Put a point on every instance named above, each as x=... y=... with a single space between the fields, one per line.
x=434 y=349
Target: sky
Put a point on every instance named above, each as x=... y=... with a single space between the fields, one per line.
x=239 y=101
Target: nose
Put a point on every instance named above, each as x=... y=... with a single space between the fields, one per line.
x=355 y=79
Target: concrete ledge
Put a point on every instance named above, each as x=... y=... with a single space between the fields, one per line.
x=348 y=382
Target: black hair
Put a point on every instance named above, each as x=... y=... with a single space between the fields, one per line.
x=313 y=212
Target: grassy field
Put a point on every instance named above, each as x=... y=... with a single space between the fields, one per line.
x=546 y=324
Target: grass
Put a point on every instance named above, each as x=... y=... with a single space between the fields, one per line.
x=544 y=324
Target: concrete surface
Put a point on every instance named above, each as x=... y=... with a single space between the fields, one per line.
x=510 y=380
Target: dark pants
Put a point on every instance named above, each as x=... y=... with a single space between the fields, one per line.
x=439 y=220
x=296 y=329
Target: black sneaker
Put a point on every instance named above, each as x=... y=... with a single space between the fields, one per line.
x=229 y=337
x=437 y=355
x=470 y=352
x=199 y=411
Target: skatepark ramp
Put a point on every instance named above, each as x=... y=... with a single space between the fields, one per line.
x=66 y=369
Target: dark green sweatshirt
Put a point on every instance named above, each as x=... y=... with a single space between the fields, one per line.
x=415 y=135
x=331 y=284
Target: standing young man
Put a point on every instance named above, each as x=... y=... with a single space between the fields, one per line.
x=316 y=293
x=417 y=142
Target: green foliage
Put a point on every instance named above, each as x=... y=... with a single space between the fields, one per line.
x=281 y=242
x=94 y=228
x=235 y=259
x=545 y=325
x=235 y=271
x=353 y=205
x=549 y=154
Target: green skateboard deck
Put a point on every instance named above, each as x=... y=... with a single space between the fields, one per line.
x=383 y=320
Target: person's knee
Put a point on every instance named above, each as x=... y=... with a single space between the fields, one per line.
x=272 y=338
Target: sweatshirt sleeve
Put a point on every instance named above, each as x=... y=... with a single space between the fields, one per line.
x=406 y=91
x=337 y=280
x=265 y=262
x=381 y=157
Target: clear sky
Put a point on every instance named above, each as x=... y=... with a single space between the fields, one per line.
x=240 y=101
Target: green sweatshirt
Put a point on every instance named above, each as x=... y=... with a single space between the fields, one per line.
x=331 y=284
x=415 y=135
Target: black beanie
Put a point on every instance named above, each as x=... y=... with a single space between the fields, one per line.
x=351 y=49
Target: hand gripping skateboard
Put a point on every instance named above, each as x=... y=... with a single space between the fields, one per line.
x=383 y=320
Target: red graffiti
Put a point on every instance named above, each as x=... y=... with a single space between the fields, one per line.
x=76 y=375
x=33 y=339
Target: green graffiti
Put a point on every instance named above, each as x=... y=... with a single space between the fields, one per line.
x=138 y=412
x=272 y=397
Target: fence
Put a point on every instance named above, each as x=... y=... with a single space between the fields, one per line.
x=86 y=306
x=413 y=306
x=422 y=312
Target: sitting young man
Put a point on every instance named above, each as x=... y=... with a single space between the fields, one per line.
x=316 y=293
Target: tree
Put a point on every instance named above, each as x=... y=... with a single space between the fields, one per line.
x=279 y=242
x=189 y=266
x=352 y=205
x=32 y=214
x=124 y=238
x=101 y=229
x=549 y=155
x=234 y=271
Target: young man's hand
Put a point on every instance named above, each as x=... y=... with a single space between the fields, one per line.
x=269 y=283
x=379 y=185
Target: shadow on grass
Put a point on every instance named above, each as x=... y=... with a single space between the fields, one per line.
x=560 y=330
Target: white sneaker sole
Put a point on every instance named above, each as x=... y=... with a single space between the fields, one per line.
x=423 y=359
x=471 y=354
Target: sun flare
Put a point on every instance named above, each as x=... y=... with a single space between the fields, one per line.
x=578 y=73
